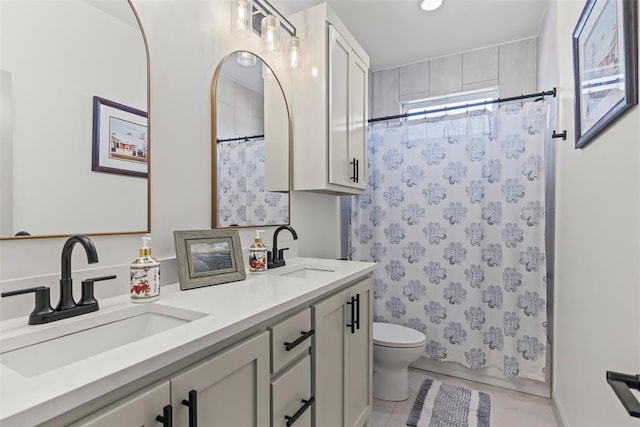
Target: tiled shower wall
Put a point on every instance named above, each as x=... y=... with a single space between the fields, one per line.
x=511 y=67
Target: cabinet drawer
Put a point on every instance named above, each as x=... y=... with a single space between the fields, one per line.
x=288 y=393
x=285 y=334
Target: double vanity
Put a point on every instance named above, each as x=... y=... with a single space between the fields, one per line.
x=290 y=347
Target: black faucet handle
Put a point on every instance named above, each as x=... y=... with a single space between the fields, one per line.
x=87 y=297
x=281 y=253
x=43 y=303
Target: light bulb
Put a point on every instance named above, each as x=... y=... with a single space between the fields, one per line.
x=430 y=5
x=246 y=59
x=270 y=32
x=294 y=52
x=241 y=11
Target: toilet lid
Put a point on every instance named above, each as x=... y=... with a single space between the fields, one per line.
x=390 y=335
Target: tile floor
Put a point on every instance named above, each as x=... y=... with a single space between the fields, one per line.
x=508 y=408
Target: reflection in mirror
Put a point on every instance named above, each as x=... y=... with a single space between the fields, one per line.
x=56 y=56
x=250 y=147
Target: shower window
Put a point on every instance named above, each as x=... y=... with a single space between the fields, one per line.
x=449 y=101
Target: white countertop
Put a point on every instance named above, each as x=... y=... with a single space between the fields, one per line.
x=229 y=309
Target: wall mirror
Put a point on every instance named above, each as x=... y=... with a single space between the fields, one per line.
x=57 y=57
x=250 y=144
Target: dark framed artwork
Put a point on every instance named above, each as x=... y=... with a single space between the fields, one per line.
x=120 y=142
x=605 y=61
x=208 y=257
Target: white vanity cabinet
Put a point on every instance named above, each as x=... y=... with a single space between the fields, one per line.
x=230 y=388
x=139 y=409
x=343 y=357
x=329 y=106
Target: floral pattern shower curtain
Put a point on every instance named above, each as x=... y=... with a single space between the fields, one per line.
x=454 y=215
x=242 y=199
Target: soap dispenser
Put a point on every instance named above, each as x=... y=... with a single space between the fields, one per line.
x=145 y=275
x=257 y=255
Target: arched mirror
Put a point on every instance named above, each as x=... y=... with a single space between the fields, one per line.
x=74 y=138
x=250 y=144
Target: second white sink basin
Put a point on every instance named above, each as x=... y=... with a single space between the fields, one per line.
x=54 y=346
x=304 y=271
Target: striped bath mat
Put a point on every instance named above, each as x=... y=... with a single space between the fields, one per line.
x=447 y=405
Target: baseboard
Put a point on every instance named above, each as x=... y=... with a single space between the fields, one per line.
x=490 y=376
x=558 y=412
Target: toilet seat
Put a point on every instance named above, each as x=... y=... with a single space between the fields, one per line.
x=397 y=336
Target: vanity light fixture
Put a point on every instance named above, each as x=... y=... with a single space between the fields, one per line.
x=430 y=5
x=241 y=18
x=270 y=32
x=294 y=52
x=247 y=59
x=269 y=29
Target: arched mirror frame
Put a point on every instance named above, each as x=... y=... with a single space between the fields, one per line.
x=115 y=233
x=214 y=133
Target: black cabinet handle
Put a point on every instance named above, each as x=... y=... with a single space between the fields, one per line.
x=354 y=170
x=357 y=321
x=352 y=325
x=622 y=385
x=167 y=416
x=299 y=412
x=192 y=403
x=357 y=174
x=290 y=345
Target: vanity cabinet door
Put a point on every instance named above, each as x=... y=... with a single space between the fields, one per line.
x=343 y=351
x=137 y=410
x=330 y=348
x=360 y=365
x=231 y=388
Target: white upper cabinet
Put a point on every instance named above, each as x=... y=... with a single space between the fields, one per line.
x=329 y=112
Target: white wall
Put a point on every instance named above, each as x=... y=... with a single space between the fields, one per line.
x=597 y=255
x=187 y=40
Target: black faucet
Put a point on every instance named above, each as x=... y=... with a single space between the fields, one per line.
x=66 y=307
x=66 y=301
x=275 y=258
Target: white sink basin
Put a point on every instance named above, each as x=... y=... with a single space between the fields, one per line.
x=304 y=271
x=55 y=345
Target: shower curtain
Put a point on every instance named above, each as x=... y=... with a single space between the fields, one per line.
x=454 y=215
x=242 y=199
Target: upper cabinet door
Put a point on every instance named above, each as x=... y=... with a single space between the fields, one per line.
x=339 y=65
x=358 y=85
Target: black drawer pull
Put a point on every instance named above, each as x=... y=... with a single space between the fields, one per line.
x=192 y=403
x=352 y=325
x=622 y=385
x=299 y=412
x=167 y=416
x=290 y=345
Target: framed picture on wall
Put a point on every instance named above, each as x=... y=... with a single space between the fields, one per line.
x=208 y=257
x=120 y=142
x=605 y=61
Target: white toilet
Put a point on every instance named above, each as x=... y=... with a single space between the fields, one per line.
x=394 y=348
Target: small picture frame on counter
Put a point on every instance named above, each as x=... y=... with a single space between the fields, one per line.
x=208 y=257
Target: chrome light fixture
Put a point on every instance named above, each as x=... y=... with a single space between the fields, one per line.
x=246 y=59
x=241 y=18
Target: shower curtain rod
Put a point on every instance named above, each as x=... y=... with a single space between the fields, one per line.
x=242 y=138
x=539 y=95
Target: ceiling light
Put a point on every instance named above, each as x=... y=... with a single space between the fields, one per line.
x=430 y=5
